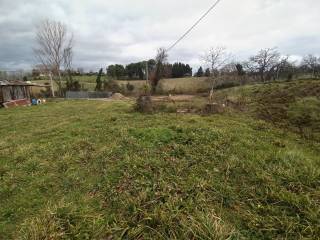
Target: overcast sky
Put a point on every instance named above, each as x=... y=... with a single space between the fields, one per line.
x=122 y=31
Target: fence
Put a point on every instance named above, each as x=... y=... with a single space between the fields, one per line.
x=86 y=95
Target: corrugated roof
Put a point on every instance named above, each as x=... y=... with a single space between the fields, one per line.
x=13 y=83
x=18 y=83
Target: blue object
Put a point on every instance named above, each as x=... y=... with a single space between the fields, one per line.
x=34 y=102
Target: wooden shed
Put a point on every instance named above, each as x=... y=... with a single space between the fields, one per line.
x=15 y=93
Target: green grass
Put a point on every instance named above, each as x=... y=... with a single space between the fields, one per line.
x=293 y=105
x=96 y=170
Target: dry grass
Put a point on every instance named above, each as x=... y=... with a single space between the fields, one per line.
x=174 y=85
x=189 y=85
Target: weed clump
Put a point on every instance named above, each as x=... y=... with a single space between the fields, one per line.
x=213 y=108
x=60 y=221
x=144 y=104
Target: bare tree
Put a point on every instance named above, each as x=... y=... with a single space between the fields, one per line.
x=264 y=61
x=67 y=58
x=53 y=43
x=284 y=66
x=158 y=73
x=67 y=61
x=311 y=63
x=216 y=58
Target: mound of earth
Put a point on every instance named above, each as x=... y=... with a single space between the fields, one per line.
x=118 y=96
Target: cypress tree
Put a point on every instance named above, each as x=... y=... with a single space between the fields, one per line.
x=98 y=81
x=200 y=72
x=207 y=73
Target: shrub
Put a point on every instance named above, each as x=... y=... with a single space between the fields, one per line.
x=145 y=89
x=72 y=85
x=130 y=87
x=111 y=86
x=144 y=104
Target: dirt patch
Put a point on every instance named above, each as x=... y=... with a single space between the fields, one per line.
x=118 y=96
x=173 y=98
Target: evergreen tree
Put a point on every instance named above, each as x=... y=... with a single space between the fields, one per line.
x=180 y=70
x=207 y=73
x=240 y=70
x=188 y=70
x=116 y=71
x=98 y=81
x=200 y=72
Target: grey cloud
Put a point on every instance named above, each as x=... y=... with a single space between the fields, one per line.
x=122 y=30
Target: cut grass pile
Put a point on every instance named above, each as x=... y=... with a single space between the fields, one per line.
x=98 y=170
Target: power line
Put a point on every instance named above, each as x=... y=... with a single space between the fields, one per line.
x=194 y=25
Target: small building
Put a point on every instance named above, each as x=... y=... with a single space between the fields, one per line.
x=13 y=93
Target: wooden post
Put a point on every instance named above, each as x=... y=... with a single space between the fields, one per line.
x=1 y=96
x=51 y=84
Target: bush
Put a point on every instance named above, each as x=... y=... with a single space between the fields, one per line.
x=130 y=87
x=144 y=104
x=73 y=85
x=145 y=89
x=111 y=86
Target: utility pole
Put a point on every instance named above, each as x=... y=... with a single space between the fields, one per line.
x=147 y=72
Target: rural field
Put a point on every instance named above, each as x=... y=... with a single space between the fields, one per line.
x=176 y=85
x=101 y=170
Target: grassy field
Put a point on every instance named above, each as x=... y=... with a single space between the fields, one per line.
x=99 y=170
x=177 y=85
x=293 y=105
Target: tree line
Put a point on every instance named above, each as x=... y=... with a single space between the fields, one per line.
x=266 y=65
x=54 y=52
x=137 y=71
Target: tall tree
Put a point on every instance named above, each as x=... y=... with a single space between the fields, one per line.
x=312 y=64
x=116 y=71
x=52 y=41
x=200 y=72
x=161 y=59
x=67 y=62
x=207 y=72
x=188 y=70
x=216 y=58
x=264 y=61
x=99 y=81
x=240 y=70
x=181 y=70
